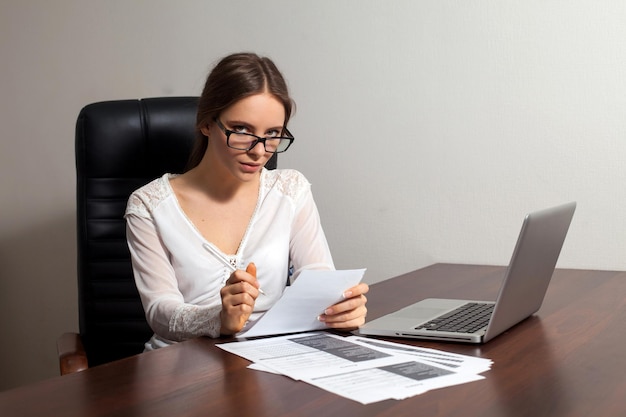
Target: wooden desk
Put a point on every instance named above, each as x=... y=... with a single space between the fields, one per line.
x=568 y=360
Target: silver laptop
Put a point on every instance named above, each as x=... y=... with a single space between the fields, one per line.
x=521 y=293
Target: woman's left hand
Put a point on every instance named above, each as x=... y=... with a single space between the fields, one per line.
x=350 y=313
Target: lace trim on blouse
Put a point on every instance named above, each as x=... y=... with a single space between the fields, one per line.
x=143 y=201
x=287 y=181
x=190 y=319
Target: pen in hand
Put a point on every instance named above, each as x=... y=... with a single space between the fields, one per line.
x=251 y=269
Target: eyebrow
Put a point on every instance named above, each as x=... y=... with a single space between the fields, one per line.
x=247 y=124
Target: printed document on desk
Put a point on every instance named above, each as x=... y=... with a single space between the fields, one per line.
x=303 y=302
x=349 y=367
x=454 y=361
x=309 y=355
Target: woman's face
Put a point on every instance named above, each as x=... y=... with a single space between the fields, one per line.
x=262 y=115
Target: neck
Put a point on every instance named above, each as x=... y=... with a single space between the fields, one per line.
x=213 y=180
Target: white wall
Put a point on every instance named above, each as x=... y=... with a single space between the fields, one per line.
x=428 y=128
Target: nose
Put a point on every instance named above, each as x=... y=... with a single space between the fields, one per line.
x=258 y=150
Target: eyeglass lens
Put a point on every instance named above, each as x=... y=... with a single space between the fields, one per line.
x=246 y=142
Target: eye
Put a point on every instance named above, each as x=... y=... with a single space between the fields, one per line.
x=272 y=133
x=240 y=129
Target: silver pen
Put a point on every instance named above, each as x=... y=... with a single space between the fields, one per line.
x=225 y=260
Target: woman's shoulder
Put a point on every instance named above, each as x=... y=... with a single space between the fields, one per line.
x=143 y=200
x=290 y=182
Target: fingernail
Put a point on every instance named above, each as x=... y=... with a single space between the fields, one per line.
x=321 y=318
x=328 y=311
x=347 y=294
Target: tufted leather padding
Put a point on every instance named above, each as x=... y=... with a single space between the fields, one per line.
x=120 y=146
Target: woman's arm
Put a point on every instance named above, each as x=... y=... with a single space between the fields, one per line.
x=309 y=250
x=166 y=311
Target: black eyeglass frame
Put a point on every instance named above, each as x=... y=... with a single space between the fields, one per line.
x=257 y=139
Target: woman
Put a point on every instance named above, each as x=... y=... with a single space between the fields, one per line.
x=212 y=248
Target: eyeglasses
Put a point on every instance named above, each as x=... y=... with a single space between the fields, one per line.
x=246 y=141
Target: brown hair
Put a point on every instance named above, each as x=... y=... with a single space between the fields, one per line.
x=235 y=77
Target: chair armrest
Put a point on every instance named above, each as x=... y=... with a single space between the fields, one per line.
x=72 y=355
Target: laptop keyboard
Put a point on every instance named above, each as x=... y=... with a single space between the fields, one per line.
x=468 y=318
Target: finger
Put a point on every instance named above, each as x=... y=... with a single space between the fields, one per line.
x=348 y=325
x=339 y=313
x=346 y=305
x=350 y=319
x=239 y=304
x=357 y=290
x=251 y=269
x=242 y=276
x=237 y=294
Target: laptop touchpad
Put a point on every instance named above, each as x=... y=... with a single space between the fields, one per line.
x=421 y=313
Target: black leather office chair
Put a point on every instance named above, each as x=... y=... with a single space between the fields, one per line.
x=120 y=146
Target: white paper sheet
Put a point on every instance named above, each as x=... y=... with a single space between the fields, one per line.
x=349 y=367
x=303 y=302
x=310 y=355
x=398 y=381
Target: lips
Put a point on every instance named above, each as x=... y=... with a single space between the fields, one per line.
x=250 y=167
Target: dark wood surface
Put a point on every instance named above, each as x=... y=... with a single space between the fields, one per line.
x=567 y=360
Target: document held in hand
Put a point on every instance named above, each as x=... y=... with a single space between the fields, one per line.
x=303 y=301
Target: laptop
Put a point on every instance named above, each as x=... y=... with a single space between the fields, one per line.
x=521 y=293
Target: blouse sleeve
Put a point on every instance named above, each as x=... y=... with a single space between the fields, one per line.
x=166 y=312
x=308 y=245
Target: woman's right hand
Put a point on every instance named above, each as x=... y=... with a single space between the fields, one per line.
x=238 y=297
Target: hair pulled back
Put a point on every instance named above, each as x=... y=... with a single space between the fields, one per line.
x=236 y=77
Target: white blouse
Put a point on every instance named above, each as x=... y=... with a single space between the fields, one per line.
x=179 y=273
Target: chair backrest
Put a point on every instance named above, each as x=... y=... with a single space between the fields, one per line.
x=120 y=146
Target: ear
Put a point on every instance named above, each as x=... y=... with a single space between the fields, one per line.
x=205 y=130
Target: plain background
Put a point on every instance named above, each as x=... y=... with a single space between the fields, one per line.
x=427 y=128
